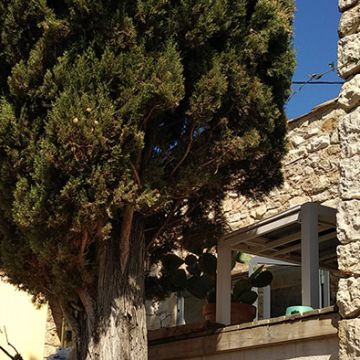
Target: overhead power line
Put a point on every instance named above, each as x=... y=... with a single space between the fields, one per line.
x=318 y=82
x=313 y=79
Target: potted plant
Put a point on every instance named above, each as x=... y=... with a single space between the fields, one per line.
x=242 y=298
x=197 y=275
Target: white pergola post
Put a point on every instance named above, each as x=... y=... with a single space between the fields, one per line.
x=324 y=288
x=223 y=284
x=252 y=264
x=267 y=302
x=310 y=255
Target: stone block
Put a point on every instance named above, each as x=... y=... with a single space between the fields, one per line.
x=348 y=222
x=348 y=258
x=351 y=149
x=235 y=217
x=295 y=155
x=298 y=200
x=313 y=158
x=284 y=198
x=296 y=140
x=333 y=151
x=350 y=93
x=349 y=188
x=308 y=170
x=334 y=136
x=350 y=123
x=324 y=166
x=346 y=4
x=311 y=131
x=320 y=198
x=348 y=297
x=329 y=123
x=349 y=55
x=315 y=184
x=349 y=339
x=318 y=143
x=349 y=133
x=331 y=203
x=260 y=211
x=350 y=21
x=274 y=212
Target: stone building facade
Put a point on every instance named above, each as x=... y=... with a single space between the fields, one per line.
x=348 y=218
x=311 y=173
x=323 y=165
x=310 y=169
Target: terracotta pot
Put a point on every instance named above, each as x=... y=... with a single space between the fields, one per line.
x=240 y=313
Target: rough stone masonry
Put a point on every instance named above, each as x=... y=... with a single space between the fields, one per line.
x=348 y=297
x=310 y=169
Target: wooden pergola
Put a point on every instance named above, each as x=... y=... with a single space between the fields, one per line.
x=304 y=235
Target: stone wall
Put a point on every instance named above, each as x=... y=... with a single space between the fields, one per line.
x=348 y=298
x=311 y=169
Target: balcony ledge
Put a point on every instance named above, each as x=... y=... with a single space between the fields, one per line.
x=206 y=340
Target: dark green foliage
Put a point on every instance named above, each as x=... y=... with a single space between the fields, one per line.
x=162 y=106
x=171 y=262
x=207 y=263
x=242 y=289
x=262 y=279
x=201 y=279
x=248 y=297
x=190 y=260
x=241 y=286
x=199 y=286
x=195 y=274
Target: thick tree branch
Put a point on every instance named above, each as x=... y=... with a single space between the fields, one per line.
x=73 y=322
x=148 y=116
x=207 y=163
x=87 y=302
x=128 y=214
x=136 y=168
x=83 y=244
x=163 y=226
x=187 y=151
x=148 y=149
x=136 y=174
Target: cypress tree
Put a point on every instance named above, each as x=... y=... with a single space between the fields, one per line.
x=123 y=124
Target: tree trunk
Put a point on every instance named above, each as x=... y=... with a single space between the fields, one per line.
x=113 y=327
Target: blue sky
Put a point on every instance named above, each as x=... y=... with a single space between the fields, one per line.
x=315 y=40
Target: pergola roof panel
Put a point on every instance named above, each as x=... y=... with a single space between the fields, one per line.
x=279 y=237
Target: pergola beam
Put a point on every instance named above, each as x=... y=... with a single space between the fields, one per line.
x=271 y=245
x=282 y=241
x=298 y=246
x=238 y=238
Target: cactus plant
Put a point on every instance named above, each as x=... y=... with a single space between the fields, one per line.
x=197 y=275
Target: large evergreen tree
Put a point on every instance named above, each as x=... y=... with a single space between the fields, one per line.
x=122 y=126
